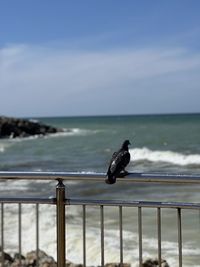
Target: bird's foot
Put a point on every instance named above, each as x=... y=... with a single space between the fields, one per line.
x=110 y=180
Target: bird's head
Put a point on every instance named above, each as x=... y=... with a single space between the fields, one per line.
x=125 y=144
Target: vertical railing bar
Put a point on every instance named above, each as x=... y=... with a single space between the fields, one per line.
x=179 y=236
x=140 y=234
x=20 y=232
x=37 y=233
x=2 y=233
x=102 y=234
x=60 y=217
x=84 y=235
x=159 y=235
x=121 y=235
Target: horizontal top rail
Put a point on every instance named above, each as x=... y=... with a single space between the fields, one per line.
x=125 y=203
x=79 y=176
x=28 y=200
x=100 y=202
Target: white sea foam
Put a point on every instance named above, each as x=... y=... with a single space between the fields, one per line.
x=22 y=139
x=71 y=132
x=15 y=185
x=141 y=154
x=65 y=133
x=4 y=146
x=80 y=131
x=47 y=242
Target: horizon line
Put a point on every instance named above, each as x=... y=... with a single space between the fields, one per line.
x=109 y=115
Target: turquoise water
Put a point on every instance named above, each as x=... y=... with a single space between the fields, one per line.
x=161 y=143
x=91 y=140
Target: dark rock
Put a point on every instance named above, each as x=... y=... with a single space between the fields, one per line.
x=12 y=128
x=112 y=264
x=18 y=263
x=18 y=256
x=5 y=256
x=154 y=263
x=45 y=260
x=71 y=264
x=8 y=260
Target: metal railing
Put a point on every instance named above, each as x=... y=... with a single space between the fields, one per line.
x=61 y=201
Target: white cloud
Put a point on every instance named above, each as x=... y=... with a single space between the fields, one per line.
x=48 y=81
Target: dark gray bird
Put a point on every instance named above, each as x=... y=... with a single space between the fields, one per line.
x=118 y=163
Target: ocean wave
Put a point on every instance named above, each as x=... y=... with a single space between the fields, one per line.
x=73 y=132
x=65 y=133
x=175 y=158
x=93 y=237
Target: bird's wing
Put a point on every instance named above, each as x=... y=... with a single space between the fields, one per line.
x=111 y=162
x=120 y=161
x=126 y=158
x=114 y=156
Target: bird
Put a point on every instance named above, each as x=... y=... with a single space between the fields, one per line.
x=118 y=163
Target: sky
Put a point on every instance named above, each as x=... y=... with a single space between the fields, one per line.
x=103 y=57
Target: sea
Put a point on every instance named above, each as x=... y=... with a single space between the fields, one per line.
x=159 y=144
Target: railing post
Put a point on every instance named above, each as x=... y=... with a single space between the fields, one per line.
x=60 y=216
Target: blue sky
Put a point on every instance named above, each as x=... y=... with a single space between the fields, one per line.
x=64 y=58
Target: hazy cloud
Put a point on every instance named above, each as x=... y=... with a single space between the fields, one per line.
x=41 y=80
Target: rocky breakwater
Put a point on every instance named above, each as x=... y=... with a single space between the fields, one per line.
x=44 y=260
x=13 y=127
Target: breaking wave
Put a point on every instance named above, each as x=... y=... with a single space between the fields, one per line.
x=93 y=238
x=141 y=154
x=73 y=132
x=65 y=133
